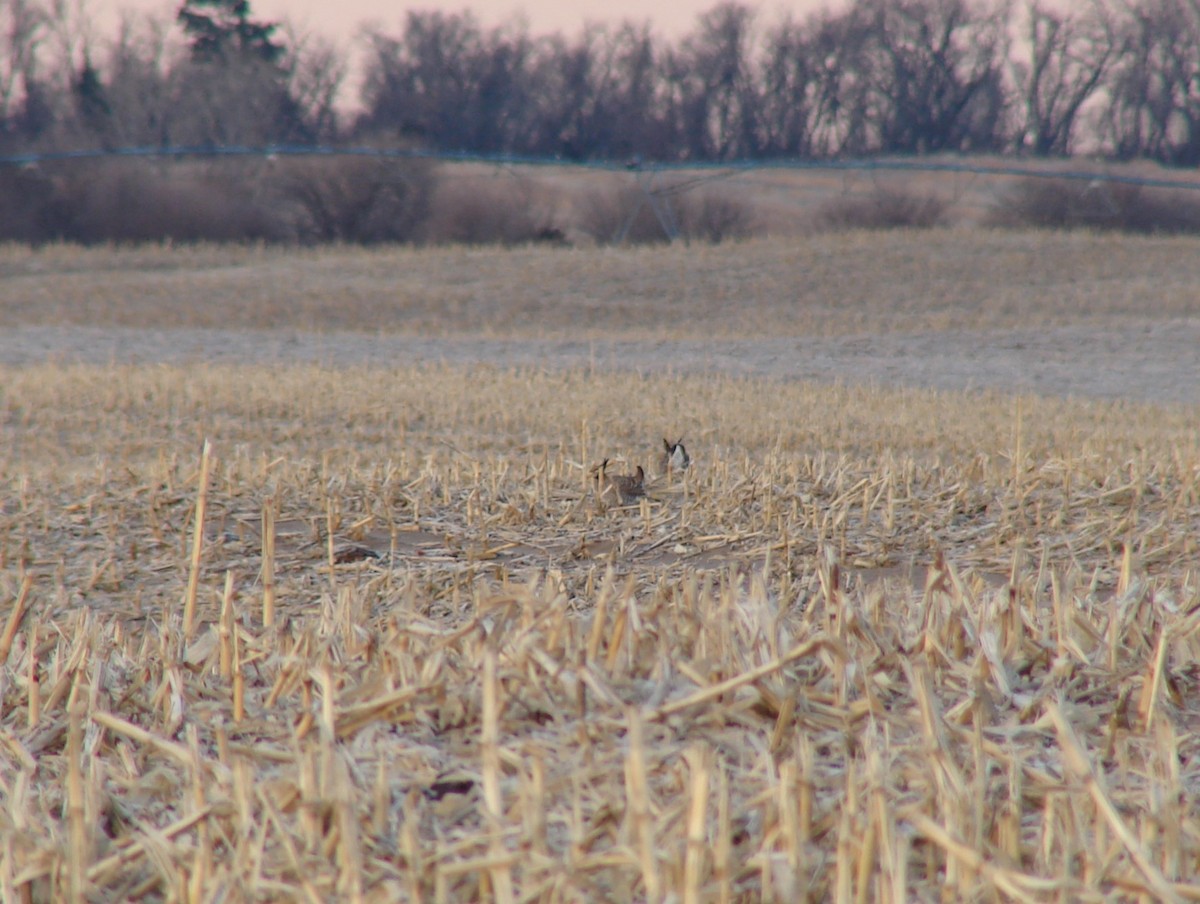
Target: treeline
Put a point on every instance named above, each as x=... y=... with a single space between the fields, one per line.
x=875 y=77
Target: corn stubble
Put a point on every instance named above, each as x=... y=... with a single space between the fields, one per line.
x=843 y=657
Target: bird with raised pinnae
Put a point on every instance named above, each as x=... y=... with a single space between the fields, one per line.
x=674 y=457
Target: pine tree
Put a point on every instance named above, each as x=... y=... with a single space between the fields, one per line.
x=91 y=97
x=217 y=29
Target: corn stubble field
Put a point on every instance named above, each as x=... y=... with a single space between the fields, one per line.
x=298 y=633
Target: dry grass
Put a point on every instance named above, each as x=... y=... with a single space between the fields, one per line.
x=873 y=646
x=825 y=285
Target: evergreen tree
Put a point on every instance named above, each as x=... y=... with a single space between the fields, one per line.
x=91 y=100
x=217 y=29
x=236 y=87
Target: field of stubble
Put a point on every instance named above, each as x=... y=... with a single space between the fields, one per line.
x=297 y=632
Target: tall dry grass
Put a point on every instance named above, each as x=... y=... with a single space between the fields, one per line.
x=874 y=646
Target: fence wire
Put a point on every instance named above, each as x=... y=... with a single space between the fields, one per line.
x=866 y=165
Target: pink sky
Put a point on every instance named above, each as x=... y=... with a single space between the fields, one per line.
x=340 y=19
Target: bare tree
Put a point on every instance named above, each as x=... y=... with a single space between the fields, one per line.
x=72 y=87
x=23 y=28
x=419 y=84
x=1070 y=54
x=137 y=86
x=596 y=97
x=632 y=96
x=713 y=106
x=1154 y=109
x=562 y=118
x=815 y=97
x=238 y=101
x=447 y=82
x=788 y=95
x=70 y=33
x=315 y=73
x=936 y=74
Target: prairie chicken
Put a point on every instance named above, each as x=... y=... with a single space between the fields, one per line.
x=674 y=457
x=619 y=488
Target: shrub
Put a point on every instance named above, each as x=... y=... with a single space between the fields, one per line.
x=716 y=215
x=351 y=199
x=884 y=208
x=359 y=199
x=120 y=201
x=621 y=213
x=33 y=209
x=617 y=213
x=482 y=210
x=1096 y=204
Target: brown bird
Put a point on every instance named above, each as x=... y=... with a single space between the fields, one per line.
x=674 y=457
x=619 y=488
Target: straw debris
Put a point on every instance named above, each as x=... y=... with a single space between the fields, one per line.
x=304 y=634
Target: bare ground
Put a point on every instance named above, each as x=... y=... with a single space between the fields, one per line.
x=1148 y=361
